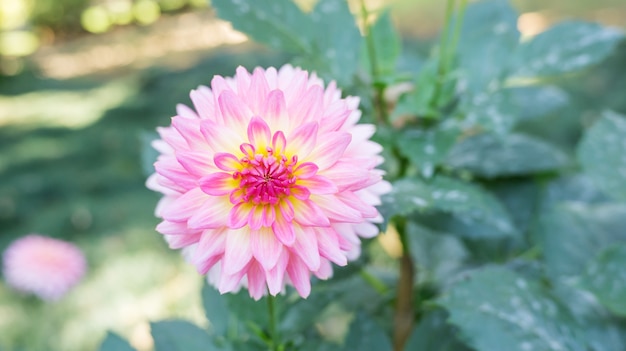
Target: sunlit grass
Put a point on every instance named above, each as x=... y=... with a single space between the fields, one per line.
x=70 y=109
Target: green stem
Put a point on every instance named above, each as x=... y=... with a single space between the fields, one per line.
x=447 y=47
x=379 y=89
x=274 y=339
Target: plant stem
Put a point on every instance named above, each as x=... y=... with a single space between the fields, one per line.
x=404 y=316
x=379 y=89
x=274 y=339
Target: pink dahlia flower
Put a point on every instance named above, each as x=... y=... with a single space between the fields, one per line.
x=268 y=181
x=43 y=266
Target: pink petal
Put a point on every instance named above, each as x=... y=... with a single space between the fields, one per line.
x=279 y=142
x=305 y=247
x=172 y=228
x=259 y=89
x=234 y=110
x=302 y=140
x=275 y=110
x=227 y=162
x=189 y=128
x=319 y=185
x=238 y=215
x=256 y=217
x=198 y=163
x=259 y=133
x=185 y=111
x=300 y=192
x=242 y=79
x=171 y=169
x=285 y=209
x=305 y=170
x=367 y=211
x=230 y=282
x=275 y=276
x=220 y=139
x=299 y=276
x=366 y=230
x=330 y=149
x=265 y=247
x=307 y=213
x=329 y=248
x=308 y=107
x=336 y=210
x=284 y=230
x=218 y=184
x=325 y=271
x=212 y=214
x=237 y=253
x=211 y=246
x=347 y=176
x=204 y=104
x=185 y=206
x=180 y=241
x=256 y=281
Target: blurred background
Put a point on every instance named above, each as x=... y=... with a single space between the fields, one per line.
x=83 y=84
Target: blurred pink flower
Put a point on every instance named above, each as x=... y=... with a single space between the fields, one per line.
x=43 y=266
x=271 y=177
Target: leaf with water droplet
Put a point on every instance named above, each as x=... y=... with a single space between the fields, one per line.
x=426 y=148
x=501 y=110
x=497 y=309
x=490 y=156
x=277 y=23
x=572 y=233
x=602 y=154
x=468 y=203
x=566 y=47
x=605 y=277
x=336 y=42
x=487 y=41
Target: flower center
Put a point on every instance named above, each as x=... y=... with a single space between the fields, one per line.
x=265 y=177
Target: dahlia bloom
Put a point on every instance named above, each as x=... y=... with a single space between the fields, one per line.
x=268 y=181
x=43 y=266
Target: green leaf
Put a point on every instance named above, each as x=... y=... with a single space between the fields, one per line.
x=471 y=204
x=366 y=335
x=277 y=23
x=179 y=335
x=491 y=156
x=497 y=309
x=215 y=309
x=605 y=277
x=337 y=42
x=488 y=39
x=387 y=44
x=419 y=101
x=602 y=153
x=500 y=111
x=114 y=342
x=573 y=233
x=427 y=148
x=438 y=255
x=433 y=333
x=566 y=47
x=468 y=203
x=407 y=196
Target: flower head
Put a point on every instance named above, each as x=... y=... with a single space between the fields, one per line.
x=268 y=181
x=43 y=266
